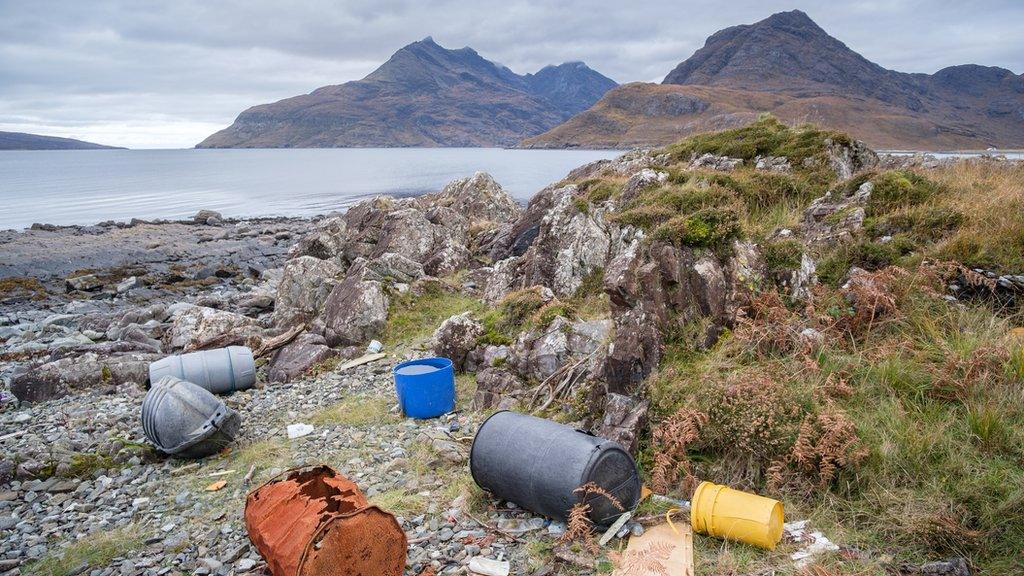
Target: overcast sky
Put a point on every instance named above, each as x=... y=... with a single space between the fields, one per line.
x=167 y=74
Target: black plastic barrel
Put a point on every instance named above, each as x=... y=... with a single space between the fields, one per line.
x=538 y=464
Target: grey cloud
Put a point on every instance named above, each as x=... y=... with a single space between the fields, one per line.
x=161 y=69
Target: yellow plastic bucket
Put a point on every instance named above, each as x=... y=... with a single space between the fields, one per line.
x=722 y=512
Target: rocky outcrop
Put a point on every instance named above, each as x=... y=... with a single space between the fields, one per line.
x=537 y=354
x=79 y=373
x=478 y=198
x=849 y=158
x=625 y=418
x=498 y=389
x=657 y=288
x=456 y=337
x=570 y=245
x=355 y=312
x=837 y=216
x=197 y=327
x=341 y=274
x=303 y=290
x=296 y=358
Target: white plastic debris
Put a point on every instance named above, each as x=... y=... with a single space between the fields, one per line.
x=299 y=430
x=374 y=347
x=813 y=543
x=617 y=527
x=488 y=567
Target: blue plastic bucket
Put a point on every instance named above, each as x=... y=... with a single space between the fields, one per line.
x=425 y=387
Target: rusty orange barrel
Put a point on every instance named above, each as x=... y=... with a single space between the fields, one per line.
x=313 y=521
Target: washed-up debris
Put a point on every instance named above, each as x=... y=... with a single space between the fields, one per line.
x=488 y=567
x=365 y=359
x=722 y=512
x=542 y=470
x=184 y=420
x=216 y=486
x=425 y=387
x=374 y=347
x=813 y=543
x=313 y=520
x=220 y=371
x=221 y=473
x=664 y=549
x=299 y=430
x=614 y=529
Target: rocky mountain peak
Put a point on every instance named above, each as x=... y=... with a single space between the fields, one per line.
x=423 y=95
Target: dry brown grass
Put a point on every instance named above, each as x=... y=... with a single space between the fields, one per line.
x=990 y=195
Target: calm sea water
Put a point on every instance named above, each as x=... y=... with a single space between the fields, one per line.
x=90 y=186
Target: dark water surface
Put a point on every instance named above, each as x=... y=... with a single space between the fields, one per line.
x=90 y=186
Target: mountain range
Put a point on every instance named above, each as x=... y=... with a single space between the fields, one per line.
x=787 y=65
x=427 y=95
x=23 y=141
x=424 y=95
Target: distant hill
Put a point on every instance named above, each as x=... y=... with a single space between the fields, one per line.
x=23 y=141
x=787 y=65
x=424 y=95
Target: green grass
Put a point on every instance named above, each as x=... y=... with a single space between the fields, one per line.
x=401 y=502
x=357 y=411
x=413 y=318
x=766 y=137
x=96 y=550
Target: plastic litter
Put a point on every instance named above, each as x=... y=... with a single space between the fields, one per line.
x=184 y=420
x=488 y=567
x=539 y=464
x=220 y=371
x=617 y=528
x=722 y=512
x=425 y=387
x=218 y=485
x=813 y=543
x=313 y=521
x=299 y=430
x=374 y=347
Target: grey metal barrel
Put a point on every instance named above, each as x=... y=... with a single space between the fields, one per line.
x=184 y=420
x=538 y=464
x=220 y=371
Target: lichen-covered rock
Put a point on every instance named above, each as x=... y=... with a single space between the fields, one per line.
x=296 y=358
x=569 y=246
x=497 y=388
x=390 y=267
x=537 y=354
x=355 y=312
x=78 y=373
x=304 y=287
x=778 y=164
x=639 y=182
x=478 y=198
x=194 y=327
x=624 y=420
x=837 y=216
x=325 y=242
x=713 y=162
x=658 y=289
x=505 y=276
x=848 y=158
x=456 y=337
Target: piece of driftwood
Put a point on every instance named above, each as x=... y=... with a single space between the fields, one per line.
x=270 y=344
x=364 y=359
